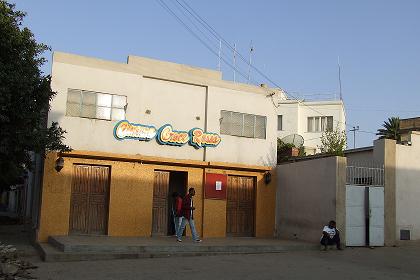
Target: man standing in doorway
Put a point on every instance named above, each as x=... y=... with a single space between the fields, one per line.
x=176 y=211
x=188 y=216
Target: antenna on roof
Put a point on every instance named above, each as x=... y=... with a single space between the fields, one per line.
x=251 y=49
x=234 y=62
x=219 y=66
x=339 y=78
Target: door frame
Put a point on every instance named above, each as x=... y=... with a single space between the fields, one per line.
x=107 y=200
x=254 y=208
x=168 y=197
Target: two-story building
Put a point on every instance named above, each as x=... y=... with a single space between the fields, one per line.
x=144 y=129
x=309 y=119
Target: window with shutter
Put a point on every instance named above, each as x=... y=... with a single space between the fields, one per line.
x=243 y=125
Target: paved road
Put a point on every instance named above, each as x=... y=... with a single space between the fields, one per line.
x=361 y=263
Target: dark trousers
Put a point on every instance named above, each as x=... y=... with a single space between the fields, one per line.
x=326 y=240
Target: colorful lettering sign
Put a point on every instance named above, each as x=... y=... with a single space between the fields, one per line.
x=200 y=139
x=126 y=130
x=166 y=135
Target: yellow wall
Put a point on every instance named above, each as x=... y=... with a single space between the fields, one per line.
x=131 y=195
x=215 y=214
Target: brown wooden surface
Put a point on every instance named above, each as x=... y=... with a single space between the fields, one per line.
x=89 y=199
x=160 y=203
x=240 y=212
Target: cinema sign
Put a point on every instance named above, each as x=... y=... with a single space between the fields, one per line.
x=165 y=135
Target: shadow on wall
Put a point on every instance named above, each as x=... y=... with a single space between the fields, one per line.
x=130 y=198
x=270 y=159
x=306 y=200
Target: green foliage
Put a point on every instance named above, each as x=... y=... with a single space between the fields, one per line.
x=391 y=129
x=283 y=150
x=25 y=94
x=333 y=142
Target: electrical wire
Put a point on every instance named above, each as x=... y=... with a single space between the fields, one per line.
x=217 y=36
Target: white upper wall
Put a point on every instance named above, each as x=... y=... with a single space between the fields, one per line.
x=295 y=118
x=161 y=93
x=408 y=187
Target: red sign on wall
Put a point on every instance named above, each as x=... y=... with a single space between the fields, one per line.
x=216 y=185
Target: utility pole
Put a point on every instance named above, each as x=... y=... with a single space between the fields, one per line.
x=355 y=128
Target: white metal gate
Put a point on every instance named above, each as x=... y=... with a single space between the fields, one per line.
x=365 y=206
x=355 y=216
x=376 y=216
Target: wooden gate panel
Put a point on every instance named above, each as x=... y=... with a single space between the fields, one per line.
x=240 y=214
x=160 y=203
x=89 y=199
x=98 y=200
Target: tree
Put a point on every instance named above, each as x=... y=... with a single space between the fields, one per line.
x=333 y=142
x=25 y=93
x=391 y=129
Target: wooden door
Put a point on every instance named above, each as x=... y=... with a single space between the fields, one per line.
x=160 y=203
x=240 y=212
x=89 y=199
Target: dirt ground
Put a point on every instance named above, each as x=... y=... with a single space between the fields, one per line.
x=360 y=263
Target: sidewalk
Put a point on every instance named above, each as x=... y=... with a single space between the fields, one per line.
x=76 y=248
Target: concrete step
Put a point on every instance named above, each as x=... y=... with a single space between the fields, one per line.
x=77 y=248
x=49 y=253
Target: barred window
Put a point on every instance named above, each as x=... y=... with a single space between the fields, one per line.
x=95 y=105
x=319 y=124
x=241 y=124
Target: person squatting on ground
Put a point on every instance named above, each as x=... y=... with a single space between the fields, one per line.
x=176 y=211
x=331 y=236
x=188 y=216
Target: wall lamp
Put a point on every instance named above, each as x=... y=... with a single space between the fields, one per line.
x=59 y=164
x=267 y=178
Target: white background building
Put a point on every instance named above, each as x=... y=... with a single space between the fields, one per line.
x=309 y=119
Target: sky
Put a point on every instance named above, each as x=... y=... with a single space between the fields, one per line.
x=295 y=43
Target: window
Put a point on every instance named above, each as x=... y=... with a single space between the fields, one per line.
x=319 y=124
x=280 y=122
x=95 y=105
x=241 y=124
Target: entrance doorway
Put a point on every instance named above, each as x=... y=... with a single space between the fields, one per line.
x=240 y=212
x=166 y=183
x=89 y=200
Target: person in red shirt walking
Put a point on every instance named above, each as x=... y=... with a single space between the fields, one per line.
x=188 y=216
x=177 y=211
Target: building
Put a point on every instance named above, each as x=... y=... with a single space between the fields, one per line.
x=372 y=193
x=407 y=126
x=146 y=128
x=402 y=173
x=309 y=119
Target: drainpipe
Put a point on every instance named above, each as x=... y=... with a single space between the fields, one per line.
x=206 y=104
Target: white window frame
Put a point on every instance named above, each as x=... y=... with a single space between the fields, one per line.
x=317 y=124
x=81 y=104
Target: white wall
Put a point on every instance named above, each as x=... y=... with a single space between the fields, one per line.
x=408 y=187
x=295 y=118
x=289 y=109
x=244 y=150
x=175 y=99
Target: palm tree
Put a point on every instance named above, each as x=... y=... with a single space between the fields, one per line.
x=391 y=129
